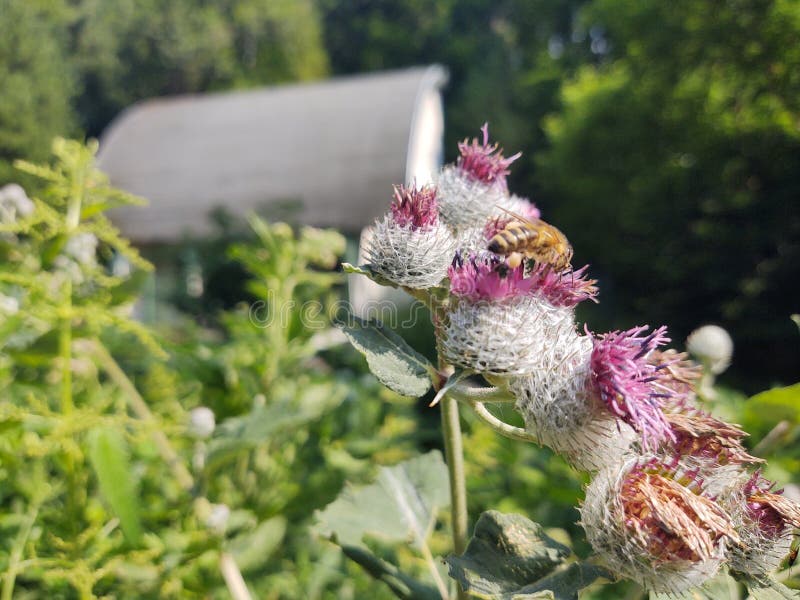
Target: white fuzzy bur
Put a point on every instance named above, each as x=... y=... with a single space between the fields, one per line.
x=558 y=407
x=625 y=551
x=415 y=258
x=504 y=337
x=463 y=202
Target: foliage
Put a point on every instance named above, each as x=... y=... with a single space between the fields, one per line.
x=107 y=488
x=676 y=146
x=37 y=83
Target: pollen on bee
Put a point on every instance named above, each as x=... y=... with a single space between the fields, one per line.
x=514 y=260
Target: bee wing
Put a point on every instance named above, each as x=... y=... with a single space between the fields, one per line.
x=519 y=217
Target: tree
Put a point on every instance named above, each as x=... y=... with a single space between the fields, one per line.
x=675 y=164
x=37 y=82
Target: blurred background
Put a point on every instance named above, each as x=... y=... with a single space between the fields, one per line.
x=662 y=137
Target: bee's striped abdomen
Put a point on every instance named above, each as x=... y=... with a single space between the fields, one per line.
x=511 y=239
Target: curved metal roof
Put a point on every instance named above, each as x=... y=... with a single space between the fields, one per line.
x=335 y=147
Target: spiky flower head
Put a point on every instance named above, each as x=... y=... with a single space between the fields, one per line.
x=556 y=402
x=650 y=519
x=484 y=162
x=488 y=277
x=410 y=246
x=626 y=381
x=498 y=322
x=415 y=208
x=470 y=190
x=712 y=346
x=765 y=519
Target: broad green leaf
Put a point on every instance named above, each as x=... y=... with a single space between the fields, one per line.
x=252 y=549
x=782 y=403
x=400 y=584
x=510 y=557
x=721 y=587
x=401 y=504
x=237 y=434
x=396 y=364
x=108 y=454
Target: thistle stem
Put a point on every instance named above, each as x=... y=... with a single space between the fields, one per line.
x=504 y=429
x=454 y=455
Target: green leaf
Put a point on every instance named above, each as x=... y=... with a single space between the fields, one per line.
x=721 y=587
x=510 y=557
x=396 y=364
x=252 y=549
x=400 y=584
x=457 y=376
x=108 y=454
x=402 y=502
x=782 y=403
x=239 y=434
x=764 y=588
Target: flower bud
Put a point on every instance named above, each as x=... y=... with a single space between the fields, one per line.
x=651 y=520
x=217 y=518
x=411 y=246
x=201 y=422
x=470 y=190
x=712 y=346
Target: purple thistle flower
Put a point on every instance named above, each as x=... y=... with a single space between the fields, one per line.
x=770 y=511
x=415 y=207
x=485 y=277
x=565 y=288
x=488 y=277
x=624 y=380
x=483 y=161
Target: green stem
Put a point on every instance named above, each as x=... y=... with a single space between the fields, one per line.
x=65 y=350
x=454 y=455
x=504 y=429
x=15 y=558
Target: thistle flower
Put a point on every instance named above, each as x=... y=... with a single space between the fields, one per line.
x=765 y=520
x=650 y=519
x=498 y=322
x=627 y=382
x=411 y=246
x=415 y=208
x=470 y=190
x=484 y=162
x=710 y=441
x=556 y=402
x=712 y=346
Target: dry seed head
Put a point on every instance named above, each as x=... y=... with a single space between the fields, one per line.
x=651 y=519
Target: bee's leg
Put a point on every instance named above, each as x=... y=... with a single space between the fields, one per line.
x=514 y=260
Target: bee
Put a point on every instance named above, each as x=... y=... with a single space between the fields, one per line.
x=534 y=239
